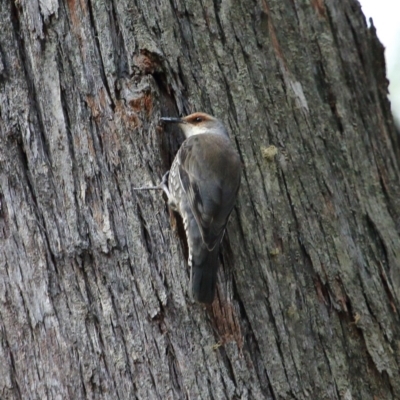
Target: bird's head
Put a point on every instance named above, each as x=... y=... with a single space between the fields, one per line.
x=198 y=123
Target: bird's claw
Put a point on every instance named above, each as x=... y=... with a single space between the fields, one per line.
x=164 y=182
x=216 y=346
x=163 y=185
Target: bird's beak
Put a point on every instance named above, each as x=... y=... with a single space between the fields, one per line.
x=172 y=120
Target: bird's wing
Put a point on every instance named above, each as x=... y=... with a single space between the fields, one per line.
x=209 y=171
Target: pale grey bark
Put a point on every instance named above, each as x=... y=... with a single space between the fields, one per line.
x=93 y=278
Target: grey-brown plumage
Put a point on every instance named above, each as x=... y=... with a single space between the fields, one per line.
x=202 y=186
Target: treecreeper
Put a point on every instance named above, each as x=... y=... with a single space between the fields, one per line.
x=202 y=186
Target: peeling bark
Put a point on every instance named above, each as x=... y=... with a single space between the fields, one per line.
x=93 y=276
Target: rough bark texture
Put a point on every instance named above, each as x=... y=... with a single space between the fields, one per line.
x=93 y=277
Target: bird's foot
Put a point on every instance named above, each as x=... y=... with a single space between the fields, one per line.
x=163 y=185
x=216 y=346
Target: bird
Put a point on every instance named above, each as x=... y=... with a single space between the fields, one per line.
x=202 y=186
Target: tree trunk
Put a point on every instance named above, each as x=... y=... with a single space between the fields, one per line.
x=94 y=284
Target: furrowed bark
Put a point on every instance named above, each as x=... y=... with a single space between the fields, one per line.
x=94 y=285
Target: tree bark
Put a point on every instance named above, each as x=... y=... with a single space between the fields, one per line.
x=94 y=284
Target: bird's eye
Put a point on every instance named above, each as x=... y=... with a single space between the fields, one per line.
x=198 y=119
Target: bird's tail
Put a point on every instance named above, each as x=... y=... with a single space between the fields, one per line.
x=204 y=274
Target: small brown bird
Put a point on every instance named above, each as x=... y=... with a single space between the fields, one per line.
x=202 y=187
